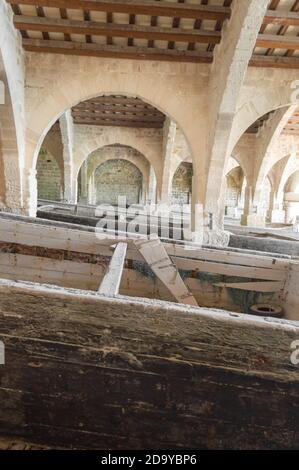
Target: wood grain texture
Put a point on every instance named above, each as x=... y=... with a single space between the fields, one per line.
x=91 y=372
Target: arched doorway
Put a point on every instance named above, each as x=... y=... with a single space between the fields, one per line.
x=291 y=198
x=233 y=193
x=182 y=184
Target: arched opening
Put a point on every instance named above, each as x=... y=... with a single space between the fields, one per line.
x=233 y=195
x=109 y=119
x=291 y=199
x=49 y=177
x=182 y=184
x=266 y=195
x=122 y=160
x=117 y=178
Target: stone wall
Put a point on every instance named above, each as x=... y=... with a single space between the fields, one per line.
x=117 y=178
x=49 y=177
x=182 y=184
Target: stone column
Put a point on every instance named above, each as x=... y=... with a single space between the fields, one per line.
x=253 y=215
x=168 y=146
x=291 y=211
x=276 y=213
x=67 y=133
x=83 y=175
x=152 y=187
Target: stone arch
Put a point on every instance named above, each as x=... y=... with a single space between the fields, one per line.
x=12 y=130
x=291 y=167
x=109 y=136
x=234 y=184
x=66 y=81
x=291 y=197
x=116 y=153
x=261 y=94
x=68 y=89
x=231 y=164
x=181 y=186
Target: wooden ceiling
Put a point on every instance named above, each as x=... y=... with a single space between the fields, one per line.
x=118 y=111
x=172 y=30
x=278 y=41
x=292 y=127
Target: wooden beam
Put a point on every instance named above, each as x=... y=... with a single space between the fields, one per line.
x=118 y=100
x=158 y=260
x=112 y=116
x=102 y=108
x=281 y=17
x=97 y=50
x=277 y=42
x=137 y=7
x=274 y=61
x=95 y=28
x=111 y=123
x=265 y=286
x=112 y=279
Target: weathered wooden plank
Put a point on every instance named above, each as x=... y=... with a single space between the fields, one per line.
x=112 y=278
x=231 y=270
x=131 y=374
x=253 y=286
x=155 y=255
x=89 y=242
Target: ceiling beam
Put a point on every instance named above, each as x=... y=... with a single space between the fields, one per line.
x=111 y=123
x=119 y=52
x=281 y=17
x=88 y=107
x=277 y=42
x=137 y=7
x=118 y=100
x=94 y=28
x=118 y=116
x=274 y=61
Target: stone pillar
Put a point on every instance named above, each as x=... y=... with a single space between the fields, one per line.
x=291 y=211
x=168 y=146
x=253 y=215
x=91 y=190
x=83 y=175
x=152 y=187
x=67 y=134
x=276 y=213
x=30 y=192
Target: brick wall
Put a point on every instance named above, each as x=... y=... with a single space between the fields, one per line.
x=182 y=184
x=49 y=178
x=117 y=178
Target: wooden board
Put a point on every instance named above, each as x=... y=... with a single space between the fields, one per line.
x=91 y=372
x=155 y=255
x=111 y=281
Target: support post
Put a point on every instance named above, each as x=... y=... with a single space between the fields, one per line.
x=111 y=281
